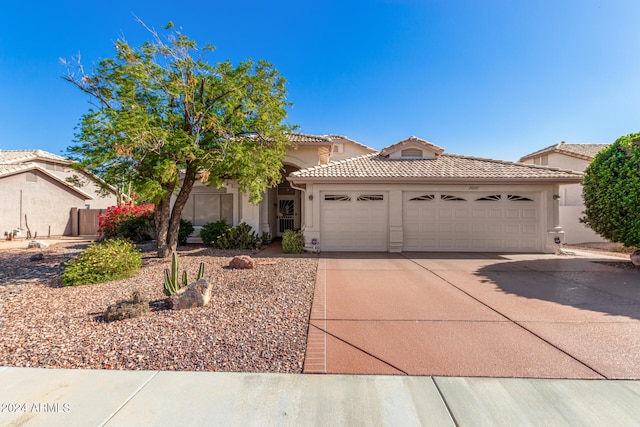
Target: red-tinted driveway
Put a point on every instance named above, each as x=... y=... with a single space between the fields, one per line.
x=462 y=314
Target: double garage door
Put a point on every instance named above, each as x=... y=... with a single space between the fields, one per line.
x=433 y=221
x=455 y=221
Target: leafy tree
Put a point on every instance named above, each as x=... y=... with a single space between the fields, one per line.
x=164 y=117
x=612 y=192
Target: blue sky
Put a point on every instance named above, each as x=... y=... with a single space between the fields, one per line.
x=488 y=78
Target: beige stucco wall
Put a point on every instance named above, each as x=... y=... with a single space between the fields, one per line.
x=46 y=203
x=88 y=186
x=308 y=156
x=262 y=217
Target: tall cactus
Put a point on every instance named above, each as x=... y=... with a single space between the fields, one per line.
x=201 y=271
x=171 y=282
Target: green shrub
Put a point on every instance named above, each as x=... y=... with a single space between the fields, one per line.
x=212 y=230
x=292 y=242
x=137 y=229
x=186 y=228
x=127 y=309
x=612 y=192
x=240 y=237
x=112 y=259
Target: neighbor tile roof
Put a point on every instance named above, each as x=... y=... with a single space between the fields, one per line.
x=21 y=156
x=306 y=139
x=303 y=138
x=444 y=167
x=583 y=151
x=10 y=169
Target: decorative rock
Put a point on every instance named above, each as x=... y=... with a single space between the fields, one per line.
x=36 y=257
x=197 y=294
x=242 y=262
x=635 y=258
x=38 y=244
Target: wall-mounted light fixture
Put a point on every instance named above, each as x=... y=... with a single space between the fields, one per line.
x=310 y=196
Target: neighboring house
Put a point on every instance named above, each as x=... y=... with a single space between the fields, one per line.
x=39 y=189
x=575 y=157
x=411 y=196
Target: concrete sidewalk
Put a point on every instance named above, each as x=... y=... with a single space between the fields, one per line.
x=46 y=397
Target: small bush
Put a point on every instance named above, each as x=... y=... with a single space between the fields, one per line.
x=112 y=259
x=292 y=242
x=137 y=229
x=240 y=237
x=212 y=230
x=127 y=309
x=185 y=230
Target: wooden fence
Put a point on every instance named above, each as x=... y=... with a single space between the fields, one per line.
x=84 y=222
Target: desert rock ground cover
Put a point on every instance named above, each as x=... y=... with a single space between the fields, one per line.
x=256 y=322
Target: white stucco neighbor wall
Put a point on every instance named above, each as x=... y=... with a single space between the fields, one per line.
x=571 y=201
x=575 y=231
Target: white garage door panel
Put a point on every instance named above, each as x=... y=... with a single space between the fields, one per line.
x=354 y=221
x=457 y=221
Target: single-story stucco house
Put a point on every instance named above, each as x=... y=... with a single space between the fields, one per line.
x=575 y=157
x=411 y=196
x=38 y=191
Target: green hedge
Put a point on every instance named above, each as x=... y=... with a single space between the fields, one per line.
x=612 y=192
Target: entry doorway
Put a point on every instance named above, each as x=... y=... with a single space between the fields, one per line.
x=288 y=213
x=288 y=208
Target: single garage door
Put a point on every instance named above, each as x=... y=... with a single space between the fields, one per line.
x=459 y=221
x=354 y=221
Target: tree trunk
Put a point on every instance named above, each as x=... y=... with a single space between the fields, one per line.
x=161 y=217
x=167 y=218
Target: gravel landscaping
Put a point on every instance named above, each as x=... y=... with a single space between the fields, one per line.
x=256 y=322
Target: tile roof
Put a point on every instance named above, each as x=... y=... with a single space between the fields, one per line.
x=344 y=138
x=445 y=167
x=303 y=138
x=306 y=139
x=410 y=141
x=20 y=156
x=583 y=151
x=10 y=169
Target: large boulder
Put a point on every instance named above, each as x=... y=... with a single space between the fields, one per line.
x=242 y=262
x=197 y=294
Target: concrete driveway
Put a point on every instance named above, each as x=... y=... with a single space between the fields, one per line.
x=480 y=314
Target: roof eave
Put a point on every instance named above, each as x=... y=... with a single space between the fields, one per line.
x=53 y=177
x=434 y=180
